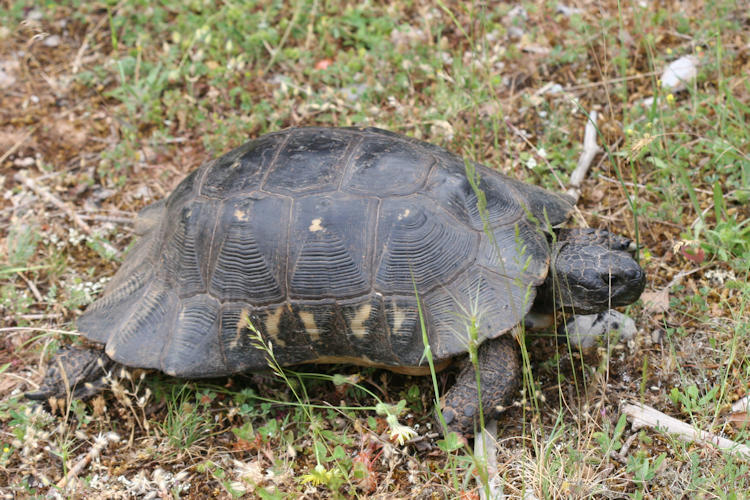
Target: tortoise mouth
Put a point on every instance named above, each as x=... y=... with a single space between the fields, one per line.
x=592 y=272
x=627 y=286
x=596 y=292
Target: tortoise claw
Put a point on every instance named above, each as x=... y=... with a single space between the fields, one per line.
x=500 y=374
x=76 y=372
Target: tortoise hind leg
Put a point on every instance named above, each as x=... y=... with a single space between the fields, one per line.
x=78 y=372
x=500 y=376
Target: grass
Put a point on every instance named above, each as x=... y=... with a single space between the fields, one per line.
x=161 y=88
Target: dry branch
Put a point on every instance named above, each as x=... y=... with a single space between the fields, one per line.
x=645 y=416
x=17 y=145
x=485 y=453
x=741 y=405
x=590 y=150
x=32 y=287
x=50 y=198
x=89 y=35
x=100 y=443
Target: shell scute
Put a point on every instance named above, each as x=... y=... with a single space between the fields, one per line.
x=242 y=169
x=311 y=160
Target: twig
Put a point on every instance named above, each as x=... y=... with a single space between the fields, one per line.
x=127 y=214
x=485 y=454
x=100 y=443
x=17 y=145
x=25 y=380
x=32 y=287
x=624 y=183
x=50 y=198
x=109 y=218
x=613 y=81
x=645 y=416
x=590 y=150
x=292 y=24
x=82 y=49
x=32 y=317
x=9 y=329
x=622 y=455
x=524 y=138
x=741 y=405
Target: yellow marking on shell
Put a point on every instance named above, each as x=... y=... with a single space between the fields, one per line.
x=359 y=329
x=242 y=323
x=273 y=323
x=316 y=225
x=404 y=214
x=308 y=319
x=110 y=350
x=235 y=164
x=240 y=215
x=399 y=317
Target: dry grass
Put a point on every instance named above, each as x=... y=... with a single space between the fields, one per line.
x=106 y=107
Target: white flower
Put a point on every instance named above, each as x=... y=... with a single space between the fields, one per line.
x=400 y=432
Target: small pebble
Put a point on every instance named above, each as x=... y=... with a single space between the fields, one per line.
x=656 y=336
x=567 y=11
x=585 y=330
x=52 y=41
x=35 y=15
x=6 y=79
x=24 y=162
x=679 y=73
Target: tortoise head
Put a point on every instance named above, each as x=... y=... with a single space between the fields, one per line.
x=592 y=270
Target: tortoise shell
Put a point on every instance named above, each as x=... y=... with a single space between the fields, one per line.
x=323 y=239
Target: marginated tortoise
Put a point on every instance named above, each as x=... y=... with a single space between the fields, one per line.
x=323 y=238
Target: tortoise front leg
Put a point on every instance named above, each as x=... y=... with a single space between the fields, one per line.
x=500 y=375
x=78 y=372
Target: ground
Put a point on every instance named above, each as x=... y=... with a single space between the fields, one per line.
x=106 y=106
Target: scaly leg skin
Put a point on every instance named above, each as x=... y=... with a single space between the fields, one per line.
x=78 y=372
x=500 y=376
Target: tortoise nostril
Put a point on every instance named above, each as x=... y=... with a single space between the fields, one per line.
x=633 y=274
x=624 y=277
x=609 y=279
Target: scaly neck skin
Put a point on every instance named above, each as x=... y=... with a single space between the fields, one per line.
x=546 y=302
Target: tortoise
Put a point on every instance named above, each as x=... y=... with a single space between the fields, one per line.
x=333 y=245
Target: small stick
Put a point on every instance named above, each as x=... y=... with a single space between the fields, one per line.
x=485 y=454
x=32 y=287
x=741 y=405
x=86 y=39
x=100 y=443
x=613 y=81
x=32 y=317
x=590 y=150
x=17 y=145
x=10 y=329
x=50 y=198
x=645 y=416
x=109 y=218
